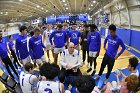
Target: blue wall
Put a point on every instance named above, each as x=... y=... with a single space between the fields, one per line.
x=135 y=39
x=129 y=37
x=6 y=38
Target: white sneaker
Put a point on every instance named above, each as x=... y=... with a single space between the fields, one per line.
x=88 y=65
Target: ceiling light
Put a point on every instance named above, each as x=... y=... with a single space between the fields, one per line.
x=89 y=8
x=65 y=4
x=37 y=6
x=20 y=0
x=1 y=12
x=94 y=1
x=46 y=10
x=91 y=4
x=69 y=13
x=67 y=8
x=63 y=0
x=42 y=8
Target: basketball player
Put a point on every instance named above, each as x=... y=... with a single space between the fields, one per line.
x=5 y=58
x=75 y=36
x=50 y=71
x=21 y=46
x=11 y=46
x=94 y=40
x=27 y=79
x=36 y=47
x=111 y=52
x=65 y=28
x=46 y=36
x=59 y=41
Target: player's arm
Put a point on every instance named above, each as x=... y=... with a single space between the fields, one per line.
x=66 y=38
x=123 y=75
x=17 y=48
x=99 y=43
x=7 y=47
x=43 y=44
x=105 y=41
x=123 y=47
x=33 y=79
x=50 y=39
x=62 y=88
x=62 y=60
x=30 y=49
x=43 y=38
x=118 y=81
x=80 y=39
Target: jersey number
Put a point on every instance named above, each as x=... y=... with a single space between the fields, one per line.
x=22 y=81
x=48 y=90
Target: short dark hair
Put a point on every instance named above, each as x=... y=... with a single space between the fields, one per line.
x=74 y=24
x=85 y=84
x=10 y=36
x=86 y=25
x=59 y=25
x=50 y=71
x=93 y=26
x=28 y=66
x=112 y=27
x=133 y=62
x=22 y=28
x=37 y=29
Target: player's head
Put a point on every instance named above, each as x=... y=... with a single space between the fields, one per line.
x=29 y=67
x=131 y=83
x=59 y=27
x=86 y=27
x=74 y=26
x=133 y=63
x=0 y=34
x=112 y=29
x=23 y=29
x=37 y=31
x=93 y=27
x=85 y=84
x=10 y=37
x=50 y=71
x=65 y=25
x=49 y=26
x=71 y=47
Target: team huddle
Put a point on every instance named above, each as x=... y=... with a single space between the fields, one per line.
x=68 y=43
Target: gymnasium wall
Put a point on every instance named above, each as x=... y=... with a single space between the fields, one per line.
x=9 y=30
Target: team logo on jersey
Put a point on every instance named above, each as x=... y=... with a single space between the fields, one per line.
x=59 y=34
x=38 y=42
x=24 y=40
x=112 y=42
x=93 y=37
x=74 y=36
